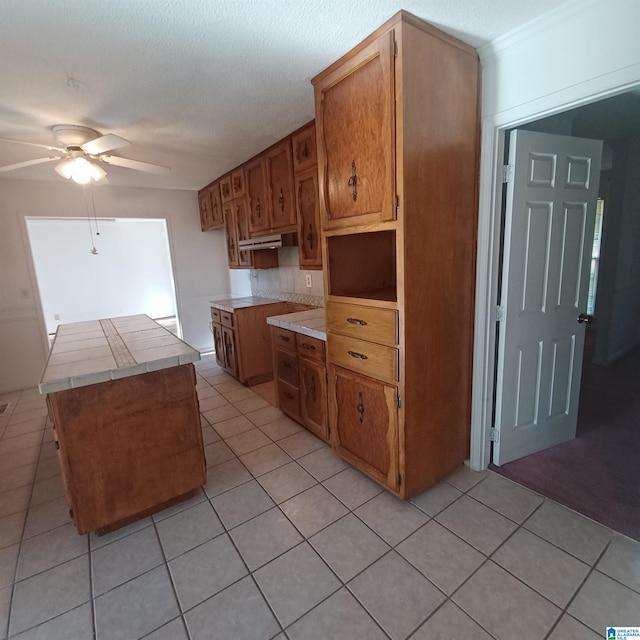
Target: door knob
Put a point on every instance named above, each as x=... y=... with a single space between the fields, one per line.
x=585 y=318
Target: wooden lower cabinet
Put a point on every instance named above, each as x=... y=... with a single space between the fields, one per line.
x=301 y=379
x=313 y=397
x=128 y=447
x=229 y=346
x=242 y=340
x=365 y=424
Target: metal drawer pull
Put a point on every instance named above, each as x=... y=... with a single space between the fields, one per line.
x=286 y=365
x=353 y=182
x=306 y=345
x=360 y=356
x=362 y=323
x=285 y=338
x=360 y=407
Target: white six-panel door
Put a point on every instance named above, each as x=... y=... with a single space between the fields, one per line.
x=550 y=214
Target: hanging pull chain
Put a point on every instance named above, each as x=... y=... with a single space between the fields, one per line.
x=353 y=181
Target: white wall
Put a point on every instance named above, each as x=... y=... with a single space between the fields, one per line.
x=199 y=263
x=583 y=51
x=130 y=273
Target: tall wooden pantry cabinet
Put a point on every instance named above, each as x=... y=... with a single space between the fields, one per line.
x=397 y=143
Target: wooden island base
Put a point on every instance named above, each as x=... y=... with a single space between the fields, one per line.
x=128 y=447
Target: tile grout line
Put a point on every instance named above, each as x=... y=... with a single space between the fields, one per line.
x=22 y=538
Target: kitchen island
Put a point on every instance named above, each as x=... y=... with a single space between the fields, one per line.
x=121 y=393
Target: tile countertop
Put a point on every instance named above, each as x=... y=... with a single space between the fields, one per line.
x=230 y=304
x=310 y=323
x=85 y=353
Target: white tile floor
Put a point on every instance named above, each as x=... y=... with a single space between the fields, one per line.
x=287 y=541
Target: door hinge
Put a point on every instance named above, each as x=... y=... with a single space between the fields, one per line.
x=494 y=435
x=500 y=314
x=395 y=48
x=507 y=173
x=397 y=203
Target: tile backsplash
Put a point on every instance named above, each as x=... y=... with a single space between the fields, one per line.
x=288 y=281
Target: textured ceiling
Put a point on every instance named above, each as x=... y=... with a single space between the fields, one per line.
x=196 y=85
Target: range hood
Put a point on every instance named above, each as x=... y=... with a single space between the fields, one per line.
x=265 y=242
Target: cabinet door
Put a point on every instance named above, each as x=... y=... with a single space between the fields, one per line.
x=308 y=219
x=238 y=183
x=242 y=230
x=216 y=206
x=230 y=354
x=218 y=344
x=363 y=419
x=204 y=204
x=313 y=397
x=226 y=192
x=303 y=145
x=230 y=234
x=356 y=133
x=280 y=180
x=256 y=176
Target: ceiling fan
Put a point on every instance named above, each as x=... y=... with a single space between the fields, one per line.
x=81 y=152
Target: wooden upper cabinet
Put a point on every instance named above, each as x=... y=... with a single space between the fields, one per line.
x=231 y=234
x=204 y=204
x=226 y=190
x=258 y=200
x=242 y=230
x=238 y=186
x=355 y=117
x=306 y=185
x=280 y=180
x=210 y=208
x=303 y=146
x=216 y=206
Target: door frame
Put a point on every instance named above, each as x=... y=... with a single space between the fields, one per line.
x=489 y=254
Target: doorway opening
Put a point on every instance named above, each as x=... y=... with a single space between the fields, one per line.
x=100 y=268
x=597 y=473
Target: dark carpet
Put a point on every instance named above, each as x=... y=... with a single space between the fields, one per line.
x=598 y=473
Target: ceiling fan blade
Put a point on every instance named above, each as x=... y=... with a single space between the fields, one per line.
x=135 y=164
x=34 y=144
x=28 y=163
x=104 y=143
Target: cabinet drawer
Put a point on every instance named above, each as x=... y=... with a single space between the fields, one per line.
x=287 y=367
x=289 y=399
x=365 y=323
x=284 y=339
x=215 y=315
x=373 y=360
x=310 y=348
x=226 y=318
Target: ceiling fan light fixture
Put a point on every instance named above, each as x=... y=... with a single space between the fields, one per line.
x=80 y=170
